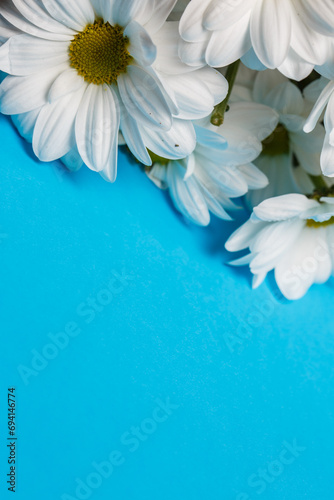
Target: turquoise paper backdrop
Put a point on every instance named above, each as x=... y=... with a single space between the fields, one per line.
x=145 y=368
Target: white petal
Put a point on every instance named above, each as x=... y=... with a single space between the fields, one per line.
x=327 y=69
x=253 y=176
x=20 y=94
x=210 y=138
x=322 y=213
x=258 y=279
x=54 y=133
x=215 y=81
x=242 y=89
x=227 y=46
x=25 y=123
x=96 y=126
x=124 y=11
x=319 y=107
x=270 y=30
x=301 y=266
x=9 y=12
x=4 y=57
x=102 y=9
x=265 y=81
x=244 y=235
x=325 y=267
x=35 y=12
x=311 y=46
x=75 y=15
x=313 y=90
x=330 y=242
x=6 y=30
x=286 y=98
x=187 y=195
x=303 y=181
x=109 y=173
x=327 y=199
x=329 y=120
x=189 y=165
x=327 y=158
x=280 y=171
x=214 y=205
x=168 y=92
x=258 y=119
x=295 y=67
x=243 y=145
x=243 y=261
x=160 y=12
x=72 y=160
x=167 y=40
x=68 y=81
x=193 y=53
x=319 y=15
x=141 y=46
x=222 y=15
x=143 y=97
x=158 y=175
x=191 y=26
x=221 y=179
x=133 y=138
x=283 y=207
x=293 y=123
x=272 y=243
x=196 y=93
x=176 y=143
x=307 y=148
x=28 y=54
x=192 y=96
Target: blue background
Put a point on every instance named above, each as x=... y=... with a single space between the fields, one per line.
x=245 y=371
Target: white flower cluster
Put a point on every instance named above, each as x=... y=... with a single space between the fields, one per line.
x=217 y=99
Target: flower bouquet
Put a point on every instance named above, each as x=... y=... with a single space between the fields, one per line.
x=221 y=102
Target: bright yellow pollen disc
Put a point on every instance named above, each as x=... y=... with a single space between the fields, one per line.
x=99 y=53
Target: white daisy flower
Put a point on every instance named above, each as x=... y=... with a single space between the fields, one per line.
x=221 y=166
x=325 y=102
x=289 y=155
x=82 y=71
x=292 y=235
x=291 y=35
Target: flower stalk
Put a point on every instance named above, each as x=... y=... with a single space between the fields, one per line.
x=217 y=117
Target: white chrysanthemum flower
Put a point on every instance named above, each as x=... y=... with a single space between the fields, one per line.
x=325 y=102
x=291 y=35
x=221 y=166
x=83 y=70
x=289 y=154
x=292 y=234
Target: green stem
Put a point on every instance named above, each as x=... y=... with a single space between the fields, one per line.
x=318 y=182
x=217 y=117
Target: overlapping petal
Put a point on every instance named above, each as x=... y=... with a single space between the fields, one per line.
x=96 y=126
x=291 y=35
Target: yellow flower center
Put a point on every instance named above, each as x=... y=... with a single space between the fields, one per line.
x=277 y=143
x=158 y=159
x=99 y=53
x=315 y=224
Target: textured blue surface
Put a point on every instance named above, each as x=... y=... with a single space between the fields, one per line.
x=170 y=329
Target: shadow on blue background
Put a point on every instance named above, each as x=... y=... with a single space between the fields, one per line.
x=144 y=366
